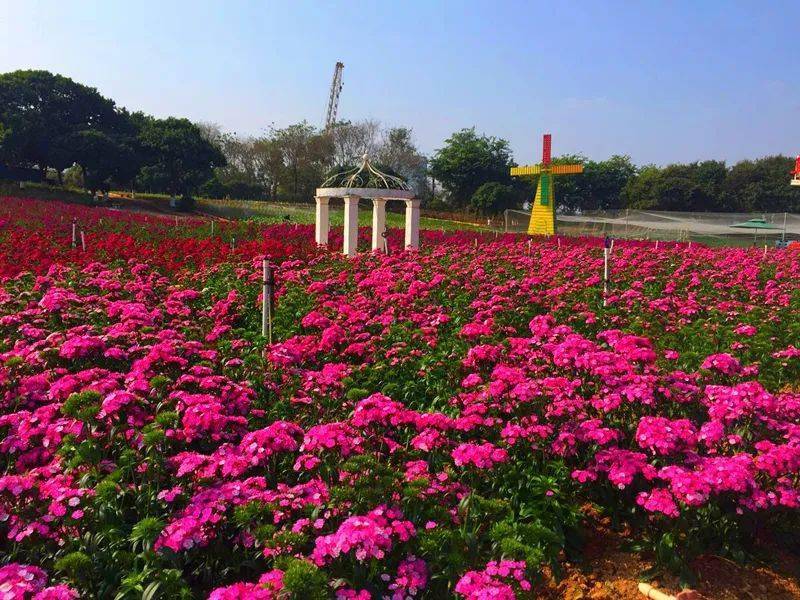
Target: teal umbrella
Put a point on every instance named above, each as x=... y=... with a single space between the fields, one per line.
x=756 y=225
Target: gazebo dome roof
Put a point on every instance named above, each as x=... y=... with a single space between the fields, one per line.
x=365 y=181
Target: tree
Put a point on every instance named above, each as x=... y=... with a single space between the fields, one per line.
x=697 y=187
x=305 y=154
x=709 y=175
x=73 y=176
x=102 y=159
x=351 y=141
x=398 y=152
x=675 y=192
x=761 y=185
x=598 y=187
x=42 y=112
x=240 y=177
x=469 y=160
x=268 y=164
x=176 y=157
x=215 y=135
x=606 y=179
x=690 y=187
x=493 y=198
x=639 y=191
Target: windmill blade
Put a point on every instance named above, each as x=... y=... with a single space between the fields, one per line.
x=547 y=149
x=566 y=169
x=529 y=170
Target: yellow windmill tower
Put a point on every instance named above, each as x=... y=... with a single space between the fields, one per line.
x=543 y=209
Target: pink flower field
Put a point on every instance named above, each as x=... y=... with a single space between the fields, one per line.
x=426 y=424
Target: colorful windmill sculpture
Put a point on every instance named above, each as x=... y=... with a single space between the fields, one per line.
x=543 y=211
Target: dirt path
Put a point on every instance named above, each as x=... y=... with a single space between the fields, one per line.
x=608 y=572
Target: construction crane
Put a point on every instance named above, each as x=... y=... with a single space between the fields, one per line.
x=333 y=100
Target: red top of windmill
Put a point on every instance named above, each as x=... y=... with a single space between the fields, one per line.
x=796 y=171
x=547 y=144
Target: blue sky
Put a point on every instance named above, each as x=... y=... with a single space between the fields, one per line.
x=660 y=81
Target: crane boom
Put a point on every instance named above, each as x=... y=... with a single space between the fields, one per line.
x=333 y=99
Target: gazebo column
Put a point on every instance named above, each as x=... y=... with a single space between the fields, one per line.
x=350 y=225
x=323 y=222
x=378 y=223
x=412 y=223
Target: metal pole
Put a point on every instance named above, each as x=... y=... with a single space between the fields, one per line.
x=264 y=319
x=607 y=244
x=783 y=237
x=74 y=233
x=605 y=275
x=268 y=291
x=271 y=296
x=83 y=241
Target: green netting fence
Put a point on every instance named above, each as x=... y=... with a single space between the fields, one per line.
x=708 y=228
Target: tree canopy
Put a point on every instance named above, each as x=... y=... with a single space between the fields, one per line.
x=102 y=158
x=493 y=197
x=467 y=161
x=760 y=185
x=44 y=115
x=289 y=163
x=599 y=186
x=176 y=156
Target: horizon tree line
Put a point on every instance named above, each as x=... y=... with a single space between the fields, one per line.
x=50 y=124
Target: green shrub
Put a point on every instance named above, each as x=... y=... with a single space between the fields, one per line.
x=304 y=581
x=83 y=406
x=75 y=566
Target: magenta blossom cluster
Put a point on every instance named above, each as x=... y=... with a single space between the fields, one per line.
x=497 y=581
x=368 y=536
x=25 y=582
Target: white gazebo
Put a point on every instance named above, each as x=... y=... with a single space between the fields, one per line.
x=365 y=181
